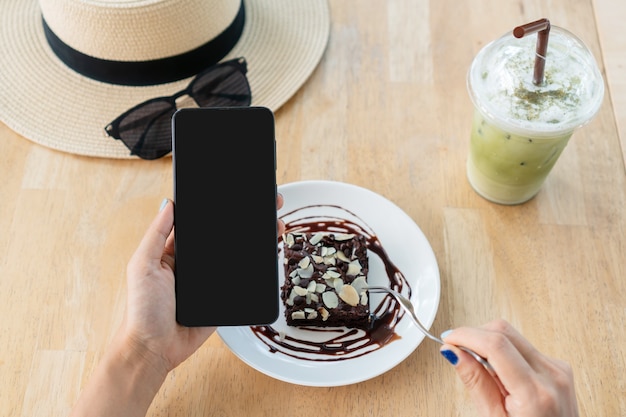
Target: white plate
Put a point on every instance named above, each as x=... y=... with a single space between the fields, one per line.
x=406 y=247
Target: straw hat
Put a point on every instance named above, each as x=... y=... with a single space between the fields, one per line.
x=46 y=101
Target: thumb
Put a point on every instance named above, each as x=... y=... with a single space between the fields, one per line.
x=481 y=386
x=154 y=240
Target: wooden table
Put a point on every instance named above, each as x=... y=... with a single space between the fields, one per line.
x=387 y=109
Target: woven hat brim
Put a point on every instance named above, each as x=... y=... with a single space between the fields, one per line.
x=50 y=104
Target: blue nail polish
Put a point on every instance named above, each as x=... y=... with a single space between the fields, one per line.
x=163 y=204
x=450 y=356
x=446 y=333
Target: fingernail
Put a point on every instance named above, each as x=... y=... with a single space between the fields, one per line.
x=163 y=204
x=446 y=334
x=450 y=356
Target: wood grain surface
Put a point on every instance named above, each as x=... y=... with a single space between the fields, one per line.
x=386 y=109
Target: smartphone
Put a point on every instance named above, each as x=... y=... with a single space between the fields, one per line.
x=225 y=214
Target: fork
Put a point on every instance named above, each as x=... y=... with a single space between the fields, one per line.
x=406 y=304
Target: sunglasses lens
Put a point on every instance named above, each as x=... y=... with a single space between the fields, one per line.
x=147 y=130
x=223 y=86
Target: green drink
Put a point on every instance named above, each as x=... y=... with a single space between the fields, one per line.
x=520 y=128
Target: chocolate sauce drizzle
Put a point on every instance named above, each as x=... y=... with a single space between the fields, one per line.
x=342 y=343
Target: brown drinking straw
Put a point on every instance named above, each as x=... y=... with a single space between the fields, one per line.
x=542 y=26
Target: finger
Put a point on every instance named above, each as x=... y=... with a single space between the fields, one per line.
x=169 y=251
x=281 y=227
x=510 y=365
x=279 y=204
x=527 y=350
x=154 y=241
x=482 y=387
x=279 y=201
x=539 y=362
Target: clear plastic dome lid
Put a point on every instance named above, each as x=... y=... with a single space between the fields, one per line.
x=500 y=83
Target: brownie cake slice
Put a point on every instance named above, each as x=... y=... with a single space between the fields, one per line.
x=325 y=280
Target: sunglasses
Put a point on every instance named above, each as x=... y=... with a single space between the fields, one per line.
x=146 y=129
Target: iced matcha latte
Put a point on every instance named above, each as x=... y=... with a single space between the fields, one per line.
x=521 y=127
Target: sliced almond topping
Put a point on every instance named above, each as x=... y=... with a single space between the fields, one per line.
x=300 y=291
x=364 y=298
x=331 y=274
x=354 y=268
x=348 y=294
x=298 y=315
x=304 y=262
x=327 y=251
x=292 y=295
x=306 y=272
x=336 y=283
x=330 y=299
x=359 y=284
x=342 y=256
x=316 y=238
x=317 y=259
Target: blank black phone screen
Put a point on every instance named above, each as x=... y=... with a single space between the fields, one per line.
x=224 y=170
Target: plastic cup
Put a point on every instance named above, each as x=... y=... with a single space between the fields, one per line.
x=520 y=128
